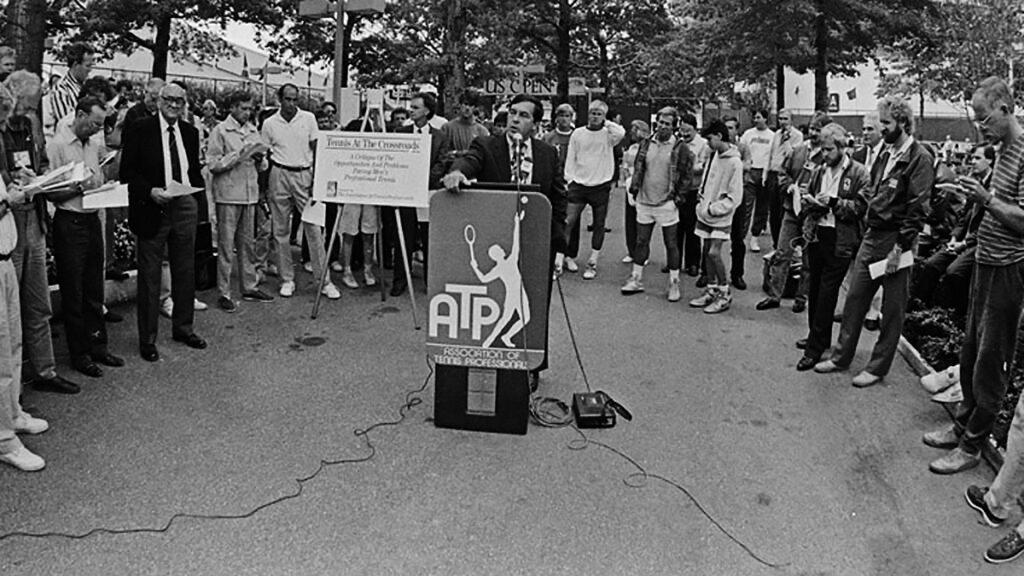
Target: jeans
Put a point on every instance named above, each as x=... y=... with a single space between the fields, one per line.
x=30 y=262
x=234 y=228
x=790 y=232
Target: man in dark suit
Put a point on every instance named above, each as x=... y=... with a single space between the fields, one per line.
x=158 y=151
x=489 y=160
x=422 y=107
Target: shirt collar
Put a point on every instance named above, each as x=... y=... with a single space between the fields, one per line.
x=230 y=123
x=903 y=149
x=512 y=142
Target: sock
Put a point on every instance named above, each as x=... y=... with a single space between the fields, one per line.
x=593 y=255
x=638 y=271
x=673 y=275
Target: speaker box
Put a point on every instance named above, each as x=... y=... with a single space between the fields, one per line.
x=481 y=399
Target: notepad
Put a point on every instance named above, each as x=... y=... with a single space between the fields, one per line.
x=877 y=270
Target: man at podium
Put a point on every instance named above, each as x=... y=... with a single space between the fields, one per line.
x=518 y=157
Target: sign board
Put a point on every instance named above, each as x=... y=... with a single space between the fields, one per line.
x=315 y=8
x=833 y=102
x=489 y=279
x=365 y=6
x=537 y=86
x=372 y=168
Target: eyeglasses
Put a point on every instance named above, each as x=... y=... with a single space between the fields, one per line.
x=173 y=101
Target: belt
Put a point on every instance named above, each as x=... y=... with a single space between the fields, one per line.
x=290 y=168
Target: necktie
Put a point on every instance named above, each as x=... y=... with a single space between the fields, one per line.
x=172 y=145
x=519 y=173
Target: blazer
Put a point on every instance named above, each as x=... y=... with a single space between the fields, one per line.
x=439 y=147
x=488 y=160
x=142 y=169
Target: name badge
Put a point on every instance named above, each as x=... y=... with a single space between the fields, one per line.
x=893 y=183
x=22 y=159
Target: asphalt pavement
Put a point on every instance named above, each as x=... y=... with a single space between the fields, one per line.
x=735 y=464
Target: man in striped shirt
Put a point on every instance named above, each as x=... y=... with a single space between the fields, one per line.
x=62 y=99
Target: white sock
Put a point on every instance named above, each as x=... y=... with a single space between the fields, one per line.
x=638 y=271
x=673 y=275
x=593 y=256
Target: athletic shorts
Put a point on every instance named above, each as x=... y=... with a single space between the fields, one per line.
x=666 y=214
x=702 y=230
x=356 y=218
x=589 y=195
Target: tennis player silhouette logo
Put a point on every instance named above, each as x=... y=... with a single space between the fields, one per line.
x=515 y=311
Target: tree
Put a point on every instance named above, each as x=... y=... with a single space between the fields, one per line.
x=25 y=31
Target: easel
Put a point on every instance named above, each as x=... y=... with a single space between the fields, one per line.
x=375 y=103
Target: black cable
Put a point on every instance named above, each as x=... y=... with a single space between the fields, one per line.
x=572 y=333
x=411 y=401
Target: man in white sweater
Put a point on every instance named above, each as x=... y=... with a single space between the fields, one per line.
x=589 y=169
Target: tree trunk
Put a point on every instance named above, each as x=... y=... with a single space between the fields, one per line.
x=346 y=46
x=564 y=54
x=162 y=45
x=454 y=49
x=26 y=33
x=605 y=74
x=780 y=86
x=820 y=58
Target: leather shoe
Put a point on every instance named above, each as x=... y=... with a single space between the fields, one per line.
x=768 y=304
x=865 y=379
x=806 y=364
x=801 y=344
x=192 y=341
x=108 y=359
x=692 y=271
x=398 y=288
x=57 y=385
x=534 y=381
x=149 y=353
x=702 y=281
x=738 y=283
x=112 y=317
x=799 y=306
x=957 y=460
x=872 y=324
x=86 y=366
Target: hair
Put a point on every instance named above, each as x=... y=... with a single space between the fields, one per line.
x=670 y=111
x=98 y=87
x=995 y=92
x=124 y=85
x=286 y=85
x=870 y=118
x=717 y=127
x=987 y=149
x=901 y=111
x=501 y=118
x=565 y=107
x=470 y=98
x=598 y=104
x=538 y=108
x=7 y=52
x=209 y=102
x=398 y=110
x=87 y=103
x=237 y=97
x=688 y=119
x=6 y=100
x=24 y=86
x=834 y=132
x=763 y=112
x=731 y=118
x=75 y=53
x=640 y=125
x=429 y=102
x=781 y=112
x=820 y=120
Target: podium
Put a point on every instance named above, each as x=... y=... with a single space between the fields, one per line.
x=488 y=287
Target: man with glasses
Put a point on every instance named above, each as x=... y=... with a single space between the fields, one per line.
x=160 y=161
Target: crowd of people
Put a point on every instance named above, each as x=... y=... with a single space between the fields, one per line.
x=884 y=218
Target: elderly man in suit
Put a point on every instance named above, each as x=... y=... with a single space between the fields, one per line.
x=160 y=156
x=421 y=108
x=489 y=160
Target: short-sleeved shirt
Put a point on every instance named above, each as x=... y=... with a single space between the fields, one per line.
x=657 y=189
x=289 y=140
x=64 y=148
x=998 y=244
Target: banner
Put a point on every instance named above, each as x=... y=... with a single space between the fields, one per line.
x=372 y=168
x=489 y=279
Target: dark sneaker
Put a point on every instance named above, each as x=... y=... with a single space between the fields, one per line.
x=1007 y=549
x=975 y=496
x=226 y=304
x=257 y=296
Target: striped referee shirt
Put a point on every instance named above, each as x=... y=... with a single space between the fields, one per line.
x=59 y=103
x=998 y=244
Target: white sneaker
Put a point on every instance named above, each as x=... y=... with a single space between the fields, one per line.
x=632 y=286
x=331 y=291
x=348 y=279
x=627 y=259
x=950 y=395
x=570 y=265
x=27 y=424
x=369 y=278
x=591 y=272
x=167 y=308
x=287 y=289
x=674 y=293
x=199 y=305
x=938 y=381
x=335 y=266
x=705 y=299
x=308 y=267
x=754 y=245
x=22 y=459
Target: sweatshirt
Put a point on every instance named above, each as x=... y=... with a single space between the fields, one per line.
x=590 y=160
x=722 y=189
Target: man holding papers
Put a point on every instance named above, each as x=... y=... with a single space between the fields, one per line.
x=901 y=180
x=160 y=164
x=78 y=240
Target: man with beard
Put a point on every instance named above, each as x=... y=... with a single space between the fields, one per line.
x=902 y=179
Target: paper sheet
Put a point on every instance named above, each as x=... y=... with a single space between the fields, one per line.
x=175 y=188
x=315 y=213
x=877 y=269
x=112 y=195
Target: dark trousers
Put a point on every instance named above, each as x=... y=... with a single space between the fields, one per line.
x=826 y=273
x=78 y=255
x=944 y=279
x=769 y=208
x=895 y=292
x=986 y=358
x=740 y=224
x=573 y=247
x=689 y=243
x=390 y=228
x=630 y=228
x=759 y=190
x=580 y=197
x=176 y=237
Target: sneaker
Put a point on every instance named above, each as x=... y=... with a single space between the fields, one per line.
x=627 y=259
x=27 y=424
x=826 y=366
x=198 y=305
x=336 y=266
x=331 y=291
x=348 y=279
x=944 y=438
x=957 y=460
x=369 y=278
x=167 y=308
x=938 y=381
x=865 y=379
x=721 y=304
x=1008 y=548
x=308 y=267
x=22 y=459
x=951 y=395
x=591 y=272
x=674 y=294
x=632 y=286
x=754 y=245
x=570 y=265
x=704 y=299
x=226 y=304
x=257 y=296
x=287 y=289
x=975 y=496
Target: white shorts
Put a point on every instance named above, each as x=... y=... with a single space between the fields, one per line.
x=706 y=232
x=356 y=218
x=666 y=214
